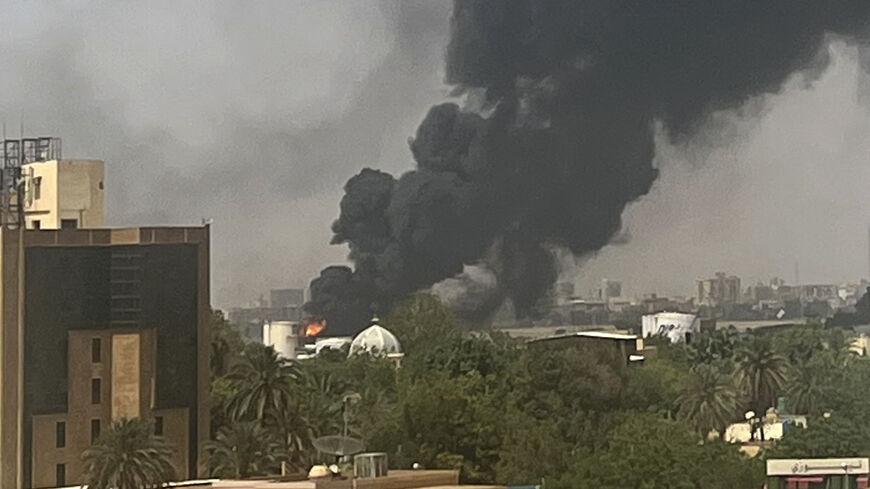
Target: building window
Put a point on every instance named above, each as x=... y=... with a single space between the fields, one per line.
x=96 y=350
x=158 y=425
x=69 y=223
x=60 y=434
x=37 y=188
x=37 y=224
x=95 y=430
x=95 y=391
x=60 y=474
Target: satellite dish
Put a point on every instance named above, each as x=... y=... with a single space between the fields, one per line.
x=338 y=445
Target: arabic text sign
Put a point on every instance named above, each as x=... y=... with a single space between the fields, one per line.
x=817 y=466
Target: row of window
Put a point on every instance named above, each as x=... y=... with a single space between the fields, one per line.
x=60 y=430
x=60 y=469
x=64 y=224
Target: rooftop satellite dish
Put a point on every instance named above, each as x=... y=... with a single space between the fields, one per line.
x=338 y=445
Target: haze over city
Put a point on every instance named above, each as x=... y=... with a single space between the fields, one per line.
x=203 y=116
x=421 y=244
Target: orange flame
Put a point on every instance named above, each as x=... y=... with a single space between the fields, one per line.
x=315 y=327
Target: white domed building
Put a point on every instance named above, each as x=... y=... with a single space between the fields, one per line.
x=378 y=341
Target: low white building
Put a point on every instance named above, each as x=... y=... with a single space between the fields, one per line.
x=677 y=326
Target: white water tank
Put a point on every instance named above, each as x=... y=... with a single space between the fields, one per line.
x=282 y=336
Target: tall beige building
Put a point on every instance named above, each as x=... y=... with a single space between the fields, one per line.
x=63 y=194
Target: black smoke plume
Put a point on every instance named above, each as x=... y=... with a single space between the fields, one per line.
x=555 y=134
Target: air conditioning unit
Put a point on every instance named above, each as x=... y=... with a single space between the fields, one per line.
x=370 y=465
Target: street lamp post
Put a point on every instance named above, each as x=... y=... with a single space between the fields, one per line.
x=845 y=467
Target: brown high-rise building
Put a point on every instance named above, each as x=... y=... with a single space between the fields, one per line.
x=98 y=325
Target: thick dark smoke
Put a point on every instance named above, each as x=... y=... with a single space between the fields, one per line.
x=555 y=136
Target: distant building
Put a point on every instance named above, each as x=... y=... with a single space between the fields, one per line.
x=250 y=320
x=583 y=311
x=820 y=292
x=286 y=297
x=720 y=290
x=98 y=325
x=653 y=303
x=628 y=347
x=284 y=305
x=609 y=289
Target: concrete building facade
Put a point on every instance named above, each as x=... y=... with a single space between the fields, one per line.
x=63 y=194
x=720 y=290
x=98 y=325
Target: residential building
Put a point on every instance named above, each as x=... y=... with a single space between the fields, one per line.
x=98 y=325
x=45 y=191
x=609 y=289
x=63 y=194
x=720 y=290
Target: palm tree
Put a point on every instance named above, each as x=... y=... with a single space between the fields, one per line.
x=264 y=386
x=807 y=387
x=129 y=456
x=709 y=400
x=761 y=372
x=244 y=449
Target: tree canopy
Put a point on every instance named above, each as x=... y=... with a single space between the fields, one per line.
x=506 y=411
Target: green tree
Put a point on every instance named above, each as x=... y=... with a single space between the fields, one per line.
x=656 y=386
x=647 y=451
x=452 y=423
x=226 y=344
x=263 y=384
x=128 y=456
x=709 y=400
x=244 y=449
x=714 y=347
x=761 y=372
x=837 y=436
x=809 y=385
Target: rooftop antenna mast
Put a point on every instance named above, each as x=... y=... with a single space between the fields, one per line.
x=14 y=155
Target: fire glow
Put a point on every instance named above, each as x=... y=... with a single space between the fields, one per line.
x=314 y=327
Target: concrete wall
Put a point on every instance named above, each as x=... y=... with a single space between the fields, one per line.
x=68 y=189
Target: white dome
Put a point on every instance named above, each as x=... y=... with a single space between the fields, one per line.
x=375 y=340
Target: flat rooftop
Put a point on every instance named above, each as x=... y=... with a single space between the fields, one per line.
x=396 y=479
x=588 y=334
x=113 y=236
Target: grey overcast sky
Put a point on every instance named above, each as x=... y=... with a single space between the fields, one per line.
x=256 y=114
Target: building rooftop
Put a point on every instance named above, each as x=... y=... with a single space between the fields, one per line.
x=589 y=334
x=115 y=236
x=396 y=479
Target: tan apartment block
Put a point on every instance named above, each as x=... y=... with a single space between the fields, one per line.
x=98 y=325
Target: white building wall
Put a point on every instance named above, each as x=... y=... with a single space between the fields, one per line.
x=674 y=325
x=282 y=336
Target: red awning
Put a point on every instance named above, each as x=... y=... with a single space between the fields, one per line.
x=802 y=482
